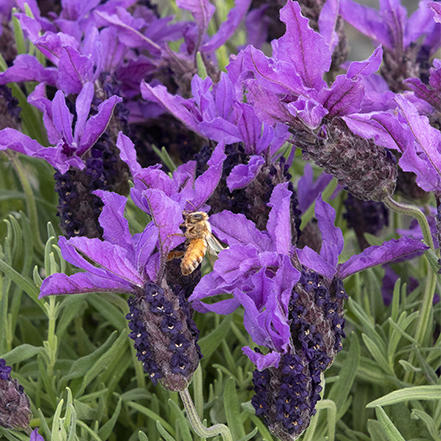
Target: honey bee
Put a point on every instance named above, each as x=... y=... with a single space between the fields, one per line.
x=199 y=240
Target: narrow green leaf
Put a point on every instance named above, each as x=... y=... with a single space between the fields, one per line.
x=391 y=431
x=432 y=392
x=89 y=430
x=56 y=422
x=163 y=432
x=81 y=366
x=102 y=363
x=395 y=301
x=249 y=435
x=24 y=283
x=428 y=422
x=142 y=436
x=184 y=429
x=107 y=428
x=21 y=353
x=152 y=415
x=211 y=342
x=232 y=410
x=108 y=311
x=377 y=354
x=376 y=431
x=408 y=367
x=341 y=388
x=433 y=261
x=165 y=158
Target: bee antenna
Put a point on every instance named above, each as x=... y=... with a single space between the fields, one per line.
x=194 y=206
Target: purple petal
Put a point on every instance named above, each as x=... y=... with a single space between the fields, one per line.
x=220 y=130
x=109 y=261
x=112 y=220
x=304 y=48
x=378 y=255
x=145 y=244
x=419 y=23
x=18 y=142
x=279 y=220
x=38 y=99
x=97 y=124
x=35 y=436
x=62 y=118
x=52 y=45
x=174 y=104
x=327 y=22
x=333 y=242
x=436 y=7
x=28 y=68
x=243 y=174
x=205 y=184
x=262 y=361
x=236 y=263
x=427 y=167
x=82 y=106
x=433 y=97
x=227 y=28
x=74 y=70
x=257 y=24
x=309 y=111
x=128 y=153
x=367 y=20
x=237 y=229
x=202 y=11
x=81 y=283
x=167 y=216
x=308 y=190
x=223 y=307
x=384 y=127
x=365 y=68
x=315 y=262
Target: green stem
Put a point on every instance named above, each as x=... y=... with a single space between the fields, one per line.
x=30 y=201
x=411 y=210
x=429 y=291
x=199 y=428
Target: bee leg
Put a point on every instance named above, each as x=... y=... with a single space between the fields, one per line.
x=175 y=254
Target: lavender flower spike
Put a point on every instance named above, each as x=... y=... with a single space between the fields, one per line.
x=293 y=304
x=160 y=317
x=15 y=412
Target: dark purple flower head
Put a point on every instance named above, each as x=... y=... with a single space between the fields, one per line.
x=404 y=55
x=15 y=412
x=160 y=316
x=293 y=303
x=4 y=370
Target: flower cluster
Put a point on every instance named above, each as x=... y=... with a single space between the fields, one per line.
x=110 y=74
x=15 y=411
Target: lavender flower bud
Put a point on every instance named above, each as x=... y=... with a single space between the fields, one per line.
x=368 y=170
x=165 y=335
x=365 y=217
x=15 y=412
x=9 y=110
x=286 y=396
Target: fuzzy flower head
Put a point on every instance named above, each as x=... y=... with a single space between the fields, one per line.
x=15 y=412
x=293 y=303
x=160 y=316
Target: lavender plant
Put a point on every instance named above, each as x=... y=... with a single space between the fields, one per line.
x=317 y=314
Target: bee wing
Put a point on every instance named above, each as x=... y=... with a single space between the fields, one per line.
x=213 y=247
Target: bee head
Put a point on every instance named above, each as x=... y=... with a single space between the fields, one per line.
x=194 y=218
